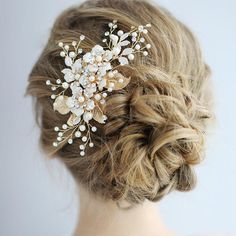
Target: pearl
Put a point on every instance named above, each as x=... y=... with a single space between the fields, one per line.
x=134 y=34
x=104 y=95
x=74 y=43
x=82 y=128
x=98 y=58
x=58 y=81
x=81 y=147
x=94 y=129
x=84 y=139
x=72 y=55
x=131 y=57
x=53 y=88
x=120 y=32
x=80 y=50
x=59 y=139
x=60 y=44
x=110 y=25
x=140 y=28
x=65 y=85
x=82 y=153
x=145 y=53
x=91 y=144
x=148 y=46
x=148 y=25
x=77 y=76
x=112 y=85
x=110 y=74
x=104 y=40
x=109 y=89
x=48 y=82
x=91 y=78
x=133 y=39
x=106 y=33
x=102 y=101
x=77 y=134
x=97 y=97
x=56 y=129
x=64 y=126
x=142 y=40
x=53 y=96
x=62 y=54
x=67 y=47
x=55 y=144
x=145 y=31
x=137 y=46
x=70 y=141
x=82 y=37
x=81 y=99
x=60 y=134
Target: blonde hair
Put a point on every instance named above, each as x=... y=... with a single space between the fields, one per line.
x=156 y=126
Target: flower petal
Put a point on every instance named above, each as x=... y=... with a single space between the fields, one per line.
x=124 y=36
x=69 y=77
x=123 y=60
x=68 y=61
x=60 y=105
x=66 y=70
x=127 y=51
x=124 y=43
x=73 y=120
x=77 y=65
x=114 y=39
x=78 y=111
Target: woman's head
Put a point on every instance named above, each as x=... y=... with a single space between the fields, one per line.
x=155 y=132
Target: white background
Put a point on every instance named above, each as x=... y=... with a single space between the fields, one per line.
x=37 y=197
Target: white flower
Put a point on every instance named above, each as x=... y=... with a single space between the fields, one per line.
x=97 y=50
x=69 y=74
x=88 y=57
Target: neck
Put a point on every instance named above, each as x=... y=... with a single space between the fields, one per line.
x=100 y=218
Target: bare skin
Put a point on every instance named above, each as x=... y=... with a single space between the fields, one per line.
x=101 y=218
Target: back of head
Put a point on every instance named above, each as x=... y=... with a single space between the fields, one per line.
x=155 y=131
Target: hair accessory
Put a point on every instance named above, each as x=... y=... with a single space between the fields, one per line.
x=90 y=77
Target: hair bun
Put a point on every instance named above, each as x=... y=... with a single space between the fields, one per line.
x=159 y=138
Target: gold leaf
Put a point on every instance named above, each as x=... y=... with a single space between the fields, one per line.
x=60 y=105
x=119 y=81
x=98 y=115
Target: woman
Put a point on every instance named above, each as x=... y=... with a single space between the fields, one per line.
x=123 y=99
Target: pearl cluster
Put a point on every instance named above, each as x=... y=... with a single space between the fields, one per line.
x=89 y=77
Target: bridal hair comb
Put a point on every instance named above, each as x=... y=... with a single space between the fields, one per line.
x=90 y=78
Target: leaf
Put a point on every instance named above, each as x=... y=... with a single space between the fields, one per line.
x=123 y=60
x=118 y=85
x=124 y=43
x=65 y=71
x=73 y=120
x=124 y=36
x=98 y=115
x=127 y=51
x=60 y=105
x=114 y=39
x=68 y=61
